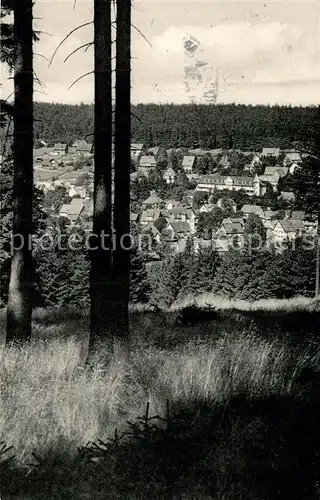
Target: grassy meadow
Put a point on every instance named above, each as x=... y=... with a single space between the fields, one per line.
x=220 y=407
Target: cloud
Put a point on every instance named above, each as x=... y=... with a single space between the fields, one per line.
x=240 y=51
x=258 y=59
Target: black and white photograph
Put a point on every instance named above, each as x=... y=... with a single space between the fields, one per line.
x=159 y=250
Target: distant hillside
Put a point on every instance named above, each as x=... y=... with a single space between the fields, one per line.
x=208 y=126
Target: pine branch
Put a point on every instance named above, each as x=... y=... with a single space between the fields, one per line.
x=66 y=38
x=80 y=78
x=87 y=45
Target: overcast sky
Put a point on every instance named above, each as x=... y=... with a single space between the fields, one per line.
x=264 y=52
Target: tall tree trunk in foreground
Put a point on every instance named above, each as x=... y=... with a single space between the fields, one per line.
x=19 y=308
x=101 y=313
x=122 y=168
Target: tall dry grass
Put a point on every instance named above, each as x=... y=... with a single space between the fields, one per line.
x=206 y=300
x=50 y=403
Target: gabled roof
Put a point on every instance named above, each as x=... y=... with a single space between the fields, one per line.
x=175 y=203
x=169 y=172
x=280 y=171
x=235 y=220
x=298 y=214
x=188 y=161
x=153 y=150
x=252 y=209
x=149 y=215
x=73 y=210
x=233 y=228
x=147 y=161
x=81 y=144
x=135 y=146
x=294 y=156
x=134 y=217
x=180 y=227
x=224 y=161
x=291 y=225
x=152 y=200
x=59 y=146
x=176 y=211
x=268 y=214
x=271 y=151
x=208 y=206
x=198 y=152
x=64 y=208
x=221 y=244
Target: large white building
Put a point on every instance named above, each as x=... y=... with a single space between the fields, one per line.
x=251 y=185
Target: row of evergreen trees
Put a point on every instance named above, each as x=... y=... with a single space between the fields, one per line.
x=169 y=125
x=238 y=274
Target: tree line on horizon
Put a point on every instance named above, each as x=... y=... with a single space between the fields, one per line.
x=238 y=126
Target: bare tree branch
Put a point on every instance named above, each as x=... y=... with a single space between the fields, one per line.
x=137 y=117
x=44 y=33
x=37 y=79
x=140 y=33
x=67 y=36
x=80 y=78
x=91 y=43
x=41 y=55
x=78 y=48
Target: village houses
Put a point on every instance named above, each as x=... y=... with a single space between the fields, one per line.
x=147 y=164
x=188 y=163
x=169 y=175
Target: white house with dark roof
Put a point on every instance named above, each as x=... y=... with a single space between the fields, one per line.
x=207 y=208
x=169 y=175
x=173 y=204
x=287 y=229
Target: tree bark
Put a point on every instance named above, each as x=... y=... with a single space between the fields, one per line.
x=19 y=307
x=121 y=257
x=101 y=313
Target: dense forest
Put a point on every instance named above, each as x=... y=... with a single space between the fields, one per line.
x=169 y=125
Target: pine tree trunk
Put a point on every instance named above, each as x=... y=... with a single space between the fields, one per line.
x=122 y=169
x=19 y=307
x=101 y=313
